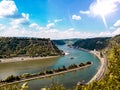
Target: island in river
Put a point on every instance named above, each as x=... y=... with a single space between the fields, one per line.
x=19 y=68
x=26 y=77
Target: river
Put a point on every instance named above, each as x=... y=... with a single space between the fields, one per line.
x=68 y=79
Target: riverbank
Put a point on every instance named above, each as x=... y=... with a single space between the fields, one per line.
x=102 y=69
x=81 y=66
x=18 y=59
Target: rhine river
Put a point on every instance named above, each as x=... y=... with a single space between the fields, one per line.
x=68 y=79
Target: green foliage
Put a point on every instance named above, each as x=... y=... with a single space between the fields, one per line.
x=81 y=64
x=72 y=66
x=111 y=80
x=25 y=75
x=64 y=68
x=114 y=41
x=88 y=62
x=97 y=43
x=56 y=86
x=64 y=41
x=11 y=78
x=92 y=43
x=42 y=73
x=15 y=87
x=25 y=86
x=11 y=87
x=13 y=47
x=101 y=55
x=59 y=69
x=49 y=72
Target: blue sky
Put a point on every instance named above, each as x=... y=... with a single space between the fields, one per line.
x=59 y=19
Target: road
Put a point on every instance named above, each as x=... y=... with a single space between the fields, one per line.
x=102 y=69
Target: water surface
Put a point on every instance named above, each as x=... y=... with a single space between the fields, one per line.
x=68 y=79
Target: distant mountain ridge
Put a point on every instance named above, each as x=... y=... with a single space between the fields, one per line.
x=33 y=47
x=97 y=43
x=59 y=42
x=64 y=41
x=92 y=43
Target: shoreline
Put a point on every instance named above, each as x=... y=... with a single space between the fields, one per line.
x=19 y=59
x=99 y=74
x=103 y=67
x=48 y=75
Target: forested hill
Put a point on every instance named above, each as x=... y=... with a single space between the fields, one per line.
x=33 y=47
x=111 y=80
x=92 y=43
x=59 y=42
x=114 y=41
x=65 y=41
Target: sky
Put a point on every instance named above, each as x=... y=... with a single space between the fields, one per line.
x=59 y=19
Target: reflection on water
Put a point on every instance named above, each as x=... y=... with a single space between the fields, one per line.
x=18 y=68
x=67 y=79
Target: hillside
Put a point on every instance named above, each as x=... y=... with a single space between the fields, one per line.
x=111 y=81
x=92 y=43
x=64 y=41
x=112 y=78
x=59 y=42
x=33 y=47
x=114 y=41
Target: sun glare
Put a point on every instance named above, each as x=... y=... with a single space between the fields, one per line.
x=103 y=8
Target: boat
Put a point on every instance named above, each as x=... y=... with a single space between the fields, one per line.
x=71 y=57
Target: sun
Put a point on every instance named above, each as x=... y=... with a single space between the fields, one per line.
x=102 y=8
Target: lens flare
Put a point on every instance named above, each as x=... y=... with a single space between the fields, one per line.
x=103 y=8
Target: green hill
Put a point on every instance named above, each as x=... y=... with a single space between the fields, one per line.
x=111 y=80
x=65 y=41
x=92 y=43
x=33 y=47
x=59 y=42
x=114 y=41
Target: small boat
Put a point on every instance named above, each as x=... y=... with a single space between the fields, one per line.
x=71 y=57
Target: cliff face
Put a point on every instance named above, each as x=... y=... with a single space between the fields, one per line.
x=33 y=47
